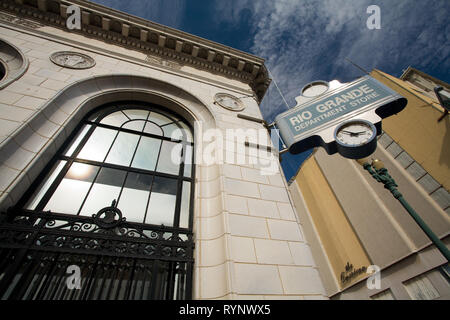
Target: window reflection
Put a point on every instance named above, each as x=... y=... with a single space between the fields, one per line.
x=185 y=204
x=159 y=119
x=136 y=125
x=161 y=208
x=152 y=128
x=134 y=197
x=130 y=170
x=136 y=113
x=123 y=149
x=106 y=188
x=115 y=119
x=170 y=157
x=72 y=190
x=173 y=131
x=147 y=153
x=77 y=141
x=98 y=144
x=187 y=131
x=188 y=160
x=43 y=187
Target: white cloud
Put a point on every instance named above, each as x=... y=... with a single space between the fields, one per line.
x=309 y=40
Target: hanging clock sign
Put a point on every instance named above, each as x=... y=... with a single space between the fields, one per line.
x=341 y=117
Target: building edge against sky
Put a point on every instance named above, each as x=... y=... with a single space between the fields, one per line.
x=249 y=242
x=352 y=222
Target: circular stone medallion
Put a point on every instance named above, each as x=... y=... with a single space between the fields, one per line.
x=72 y=60
x=229 y=102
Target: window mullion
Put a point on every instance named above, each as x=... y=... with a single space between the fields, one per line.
x=67 y=166
x=179 y=188
x=54 y=186
x=128 y=171
x=150 y=135
x=89 y=191
x=153 y=179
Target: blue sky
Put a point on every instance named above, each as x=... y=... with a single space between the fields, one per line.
x=307 y=40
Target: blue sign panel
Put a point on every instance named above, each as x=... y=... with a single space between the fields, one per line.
x=334 y=107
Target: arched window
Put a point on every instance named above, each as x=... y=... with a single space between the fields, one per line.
x=138 y=157
x=116 y=201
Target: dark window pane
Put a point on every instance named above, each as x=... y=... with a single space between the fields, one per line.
x=95 y=115
x=161 y=208
x=134 y=197
x=112 y=177
x=138 y=181
x=106 y=188
x=165 y=185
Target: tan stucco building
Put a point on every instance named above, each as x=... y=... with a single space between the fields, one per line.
x=86 y=138
x=352 y=222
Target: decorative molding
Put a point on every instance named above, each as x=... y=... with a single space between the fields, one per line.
x=173 y=46
x=72 y=60
x=229 y=102
x=20 y=21
x=14 y=62
x=163 y=62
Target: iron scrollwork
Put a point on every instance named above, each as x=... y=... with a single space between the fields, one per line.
x=106 y=232
x=106 y=217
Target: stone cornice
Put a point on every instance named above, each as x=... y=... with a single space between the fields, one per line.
x=122 y=29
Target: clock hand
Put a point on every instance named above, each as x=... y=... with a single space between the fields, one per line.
x=353 y=133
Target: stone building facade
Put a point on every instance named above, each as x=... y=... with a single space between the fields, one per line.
x=242 y=238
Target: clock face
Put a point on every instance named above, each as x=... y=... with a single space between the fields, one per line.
x=229 y=102
x=356 y=139
x=315 y=89
x=355 y=133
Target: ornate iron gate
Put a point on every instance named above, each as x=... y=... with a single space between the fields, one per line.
x=116 y=259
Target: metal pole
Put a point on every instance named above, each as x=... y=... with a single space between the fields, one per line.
x=431 y=235
x=382 y=175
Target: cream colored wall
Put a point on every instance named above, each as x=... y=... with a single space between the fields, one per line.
x=417 y=130
x=384 y=228
x=249 y=242
x=333 y=229
x=394 y=278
